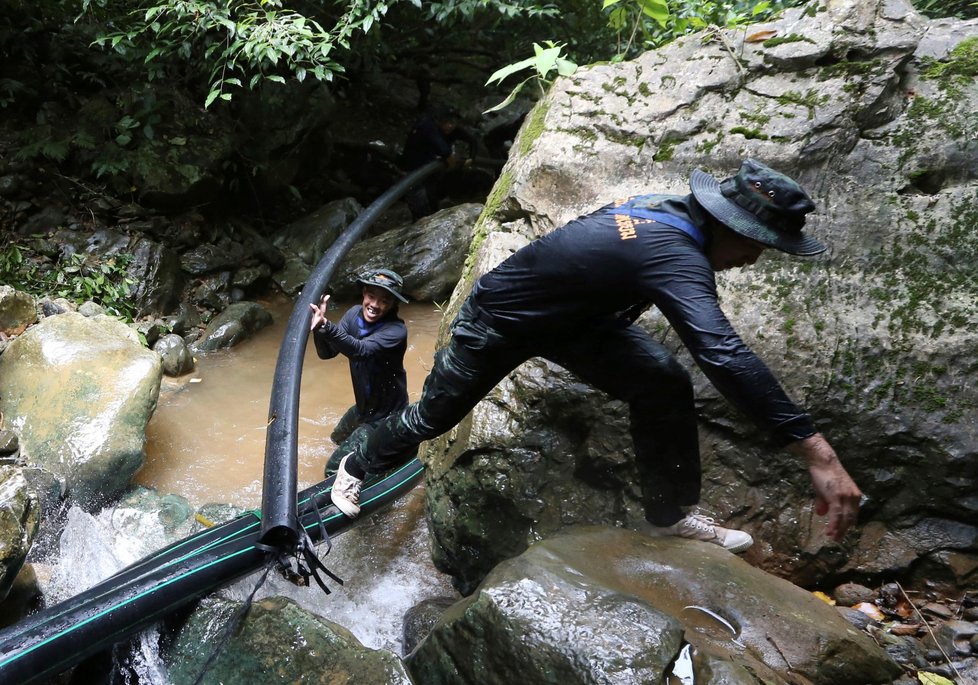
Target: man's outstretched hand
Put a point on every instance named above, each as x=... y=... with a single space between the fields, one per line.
x=318 y=313
x=836 y=495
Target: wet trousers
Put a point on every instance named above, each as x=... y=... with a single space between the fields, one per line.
x=625 y=362
x=351 y=435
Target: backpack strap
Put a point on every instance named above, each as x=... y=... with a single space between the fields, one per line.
x=687 y=227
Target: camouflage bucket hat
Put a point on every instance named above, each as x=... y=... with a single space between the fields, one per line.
x=383 y=278
x=761 y=204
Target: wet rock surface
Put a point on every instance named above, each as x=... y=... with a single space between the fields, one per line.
x=79 y=392
x=603 y=605
x=275 y=637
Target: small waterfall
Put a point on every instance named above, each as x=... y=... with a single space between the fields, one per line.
x=384 y=561
x=92 y=548
x=386 y=567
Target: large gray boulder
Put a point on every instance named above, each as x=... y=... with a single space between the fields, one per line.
x=871 y=107
x=79 y=392
x=234 y=325
x=428 y=254
x=600 y=605
x=305 y=241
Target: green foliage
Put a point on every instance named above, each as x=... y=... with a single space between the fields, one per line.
x=453 y=11
x=240 y=41
x=77 y=277
x=651 y=23
x=544 y=61
x=936 y=9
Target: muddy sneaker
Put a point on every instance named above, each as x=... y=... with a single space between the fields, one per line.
x=696 y=527
x=346 y=491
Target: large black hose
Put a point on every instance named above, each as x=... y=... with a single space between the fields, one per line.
x=279 y=525
x=56 y=638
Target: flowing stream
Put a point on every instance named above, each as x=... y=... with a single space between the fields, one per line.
x=206 y=443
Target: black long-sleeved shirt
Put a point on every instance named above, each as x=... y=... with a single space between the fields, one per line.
x=590 y=271
x=427 y=142
x=376 y=354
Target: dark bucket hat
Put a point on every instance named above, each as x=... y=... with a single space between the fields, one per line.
x=382 y=278
x=761 y=204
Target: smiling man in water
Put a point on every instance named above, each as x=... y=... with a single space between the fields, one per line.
x=374 y=339
x=572 y=297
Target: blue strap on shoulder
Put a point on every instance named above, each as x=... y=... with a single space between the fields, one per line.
x=687 y=227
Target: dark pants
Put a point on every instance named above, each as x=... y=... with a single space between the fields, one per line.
x=424 y=198
x=626 y=363
x=351 y=435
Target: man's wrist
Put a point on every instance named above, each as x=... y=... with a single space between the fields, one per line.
x=815 y=450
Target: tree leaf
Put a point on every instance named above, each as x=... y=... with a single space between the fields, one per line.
x=657 y=10
x=928 y=678
x=565 y=67
x=546 y=59
x=501 y=74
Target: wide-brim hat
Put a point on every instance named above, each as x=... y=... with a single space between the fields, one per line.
x=386 y=279
x=761 y=204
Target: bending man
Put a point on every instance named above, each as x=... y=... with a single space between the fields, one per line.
x=374 y=339
x=572 y=297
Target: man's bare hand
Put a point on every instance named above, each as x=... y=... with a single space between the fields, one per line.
x=836 y=495
x=318 y=313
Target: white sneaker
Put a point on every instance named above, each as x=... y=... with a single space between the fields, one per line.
x=697 y=527
x=346 y=491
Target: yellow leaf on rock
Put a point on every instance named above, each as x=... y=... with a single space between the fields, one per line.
x=824 y=597
x=870 y=610
x=760 y=36
x=933 y=679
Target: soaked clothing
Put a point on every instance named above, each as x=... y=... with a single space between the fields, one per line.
x=599 y=271
x=426 y=143
x=571 y=297
x=376 y=354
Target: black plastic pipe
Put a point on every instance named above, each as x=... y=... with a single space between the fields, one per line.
x=279 y=524
x=55 y=639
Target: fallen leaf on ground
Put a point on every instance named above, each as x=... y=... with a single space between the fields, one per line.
x=760 y=36
x=824 y=597
x=870 y=610
x=905 y=628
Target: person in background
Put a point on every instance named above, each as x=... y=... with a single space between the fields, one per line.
x=374 y=339
x=433 y=137
x=572 y=297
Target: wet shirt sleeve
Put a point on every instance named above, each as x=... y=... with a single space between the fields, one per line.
x=323 y=342
x=683 y=287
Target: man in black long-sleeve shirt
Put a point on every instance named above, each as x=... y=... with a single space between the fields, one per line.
x=374 y=339
x=572 y=296
x=433 y=137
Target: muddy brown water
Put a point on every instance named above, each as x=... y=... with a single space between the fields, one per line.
x=206 y=439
